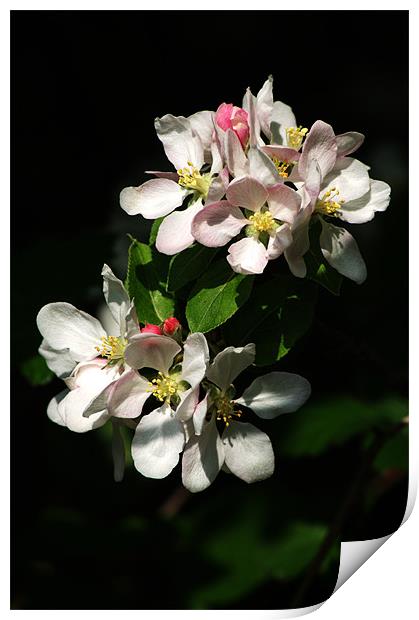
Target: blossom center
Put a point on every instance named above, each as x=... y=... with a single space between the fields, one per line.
x=295 y=136
x=283 y=167
x=225 y=410
x=191 y=178
x=112 y=347
x=330 y=204
x=262 y=221
x=164 y=387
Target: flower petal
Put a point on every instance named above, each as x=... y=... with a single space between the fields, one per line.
x=248 y=193
x=195 y=359
x=151 y=351
x=158 y=440
x=279 y=242
x=284 y=202
x=320 y=145
x=228 y=364
x=363 y=209
x=282 y=117
x=218 y=187
x=188 y=402
x=264 y=105
x=283 y=153
x=53 y=411
x=350 y=177
x=128 y=395
x=234 y=155
x=65 y=327
x=349 y=142
x=202 y=123
x=60 y=361
x=175 y=231
x=217 y=224
x=300 y=244
x=248 y=256
x=341 y=250
x=116 y=297
x=152 y=199
x=181 y=144
x=199 y=415
x=276 y=393
x=248 y=452
x=202 y=459
x=261 y=167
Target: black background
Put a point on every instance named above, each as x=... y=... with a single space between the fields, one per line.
x=86 y=87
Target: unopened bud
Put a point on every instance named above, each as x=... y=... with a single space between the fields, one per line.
x=171 y=326
x=149 y=328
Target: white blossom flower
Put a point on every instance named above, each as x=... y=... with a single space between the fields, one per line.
x=188 y=145
x=241 y=449
x=160 y=435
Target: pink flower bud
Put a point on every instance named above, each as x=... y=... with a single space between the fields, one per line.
x=149 y=328
x=229 y=116
x=170 y=326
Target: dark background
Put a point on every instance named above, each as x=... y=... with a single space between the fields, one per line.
x=86 y=87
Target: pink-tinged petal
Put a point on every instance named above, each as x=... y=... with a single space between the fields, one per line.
x=248 y=256
x=235 y=158
x=341 y=250
x=284 y=202
x=349 y=142
x=152 y=199
x=218 y=187
x=279 y=242
x=247 y=193
x=283 y=153
x=249 y=104
x=175 y=232
x=240 y=125
x=223 y=116
x=264 y=105
x=216 y=155
x=173 y=176
x=282 y=118
x=217 y=224
x=313 y=182
x=261 y=167
x=128 y=395
x=300 y=244
x=151 y=351
x=320 y=145
x=181 y=144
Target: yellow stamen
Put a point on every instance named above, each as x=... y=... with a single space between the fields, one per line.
x=283 y=167
x=164 y=387
x=328 y=205
x=262 y=221
x=191 y=178
x=112 y=348
x=225 y=410
x=295 y=136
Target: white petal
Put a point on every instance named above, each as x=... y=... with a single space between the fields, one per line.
x=248 y=193
x=282 y=118
x=116 y=297
x=151 y=351
x=248 y=452
x=175 y=234
x=217 y=224
x=264 y=106
x=235 y=158
x=279 y=242
x=261 y=167
x=195 y=359
x=363 y=209
x=341 y=250
x=128 y=395
x=53 y=411
x=218 y=187
x=228 y=364
x=61 y=362
x=349 y=142
x=300 y=244
x=65 y=327
x=199 y=415
x=202 y=459
x=202 y=124
x=71 y=409
x=158 y=440
x=350 y=177
x=248 y=256
x=276 y=393
x=188 y=402
x=181 y=144
x=152 y=199
x=249 y=104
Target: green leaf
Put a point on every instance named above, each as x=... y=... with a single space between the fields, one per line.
x=218 y=294
x=146 y=283
x=318 y=269
x=279 y=312
x=36 y=371
x=395 y=453
x=154 y=230
x=189 y=265
x=316 y=427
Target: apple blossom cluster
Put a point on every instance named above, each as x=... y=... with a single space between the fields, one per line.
x=164 y=388
x=255 y=179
